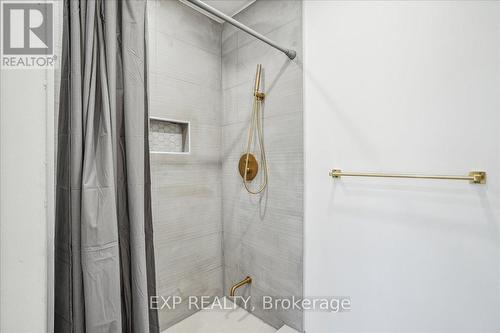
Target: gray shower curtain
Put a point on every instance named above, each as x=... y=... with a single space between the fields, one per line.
x=104 y=260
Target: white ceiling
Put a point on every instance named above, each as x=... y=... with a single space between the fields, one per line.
x=228 y=7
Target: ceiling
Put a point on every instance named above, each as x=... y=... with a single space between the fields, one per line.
x=228 y=7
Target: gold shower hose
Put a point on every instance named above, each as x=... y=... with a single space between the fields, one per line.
x=256 y=126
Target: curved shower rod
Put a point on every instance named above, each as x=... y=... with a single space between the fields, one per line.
x=289 y=53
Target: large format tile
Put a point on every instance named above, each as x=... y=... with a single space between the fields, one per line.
x=185 y=84
x=283 y=95
x=281 y=134
x=188 y=25
x=238 y=65
x=229 y=69
x=273 y=60
x=263 y=234
x=229 y=38
x=181 y=100
x=208 y=229
x=267 y=16
x=186 y=62
x=207 y=283
x=280 y=196
x=187 y=259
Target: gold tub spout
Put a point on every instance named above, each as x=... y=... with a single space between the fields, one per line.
x=247 y=280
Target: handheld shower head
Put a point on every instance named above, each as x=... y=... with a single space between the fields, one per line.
x=248 y=165
x=256 y=91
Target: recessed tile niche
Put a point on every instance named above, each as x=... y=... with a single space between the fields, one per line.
x=167 y=136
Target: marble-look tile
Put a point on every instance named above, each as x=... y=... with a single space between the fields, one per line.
x=201 y=200
x=186 y=62
x=207 y=283
x=266 y=16
x=238 y=65
x=263 y=234
x=209 y=232
x=275 y=317
x=186 y=267
x=165 y=172
x=230 y=112
x=183 y=23
x=283 y=193
x=283 y=95
x=273 y=231
x=166 y=136
x=151 y=35
x=230 y=69
x=187 y=259
x=182 y=100
x=205 y=143
x=234 y=140
x=272 y=60
x=228 y=31
x=185 y=84
x=282 y=133
x=229 y=39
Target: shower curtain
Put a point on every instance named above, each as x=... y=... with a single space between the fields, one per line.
x=104 y=260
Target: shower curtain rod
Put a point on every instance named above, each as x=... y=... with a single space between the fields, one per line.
x=289 y=53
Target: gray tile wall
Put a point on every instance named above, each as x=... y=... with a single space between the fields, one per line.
x=185 y=84
x=263 y=235
x=209 y=232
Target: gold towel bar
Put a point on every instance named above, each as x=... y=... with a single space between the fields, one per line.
x=474 y=177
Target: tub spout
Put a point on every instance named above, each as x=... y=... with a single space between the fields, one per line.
x=247 y=280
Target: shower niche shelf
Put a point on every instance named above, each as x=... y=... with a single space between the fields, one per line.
x=169 y=136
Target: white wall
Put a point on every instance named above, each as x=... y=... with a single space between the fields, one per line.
x=26 y=155
x=403 y=87
x=29 y=102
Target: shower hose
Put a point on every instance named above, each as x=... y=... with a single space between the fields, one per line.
x=256 y=126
